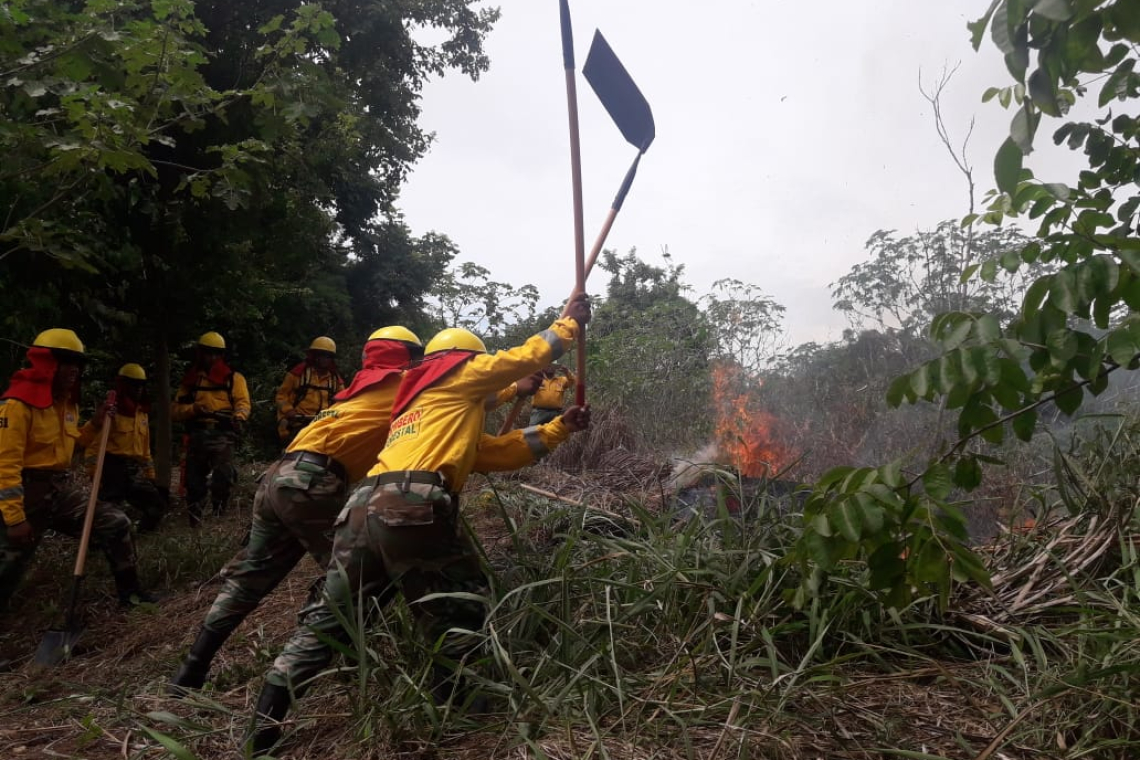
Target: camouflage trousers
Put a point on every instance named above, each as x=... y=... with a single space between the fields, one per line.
x=209 y=468
x=53 y=501
x=124 y=479
x=293 y=513
x=392 y=537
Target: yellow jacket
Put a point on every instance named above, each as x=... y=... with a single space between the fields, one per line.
x=34 y=439
x=315 y=391
x=216 y=398
x=519 y=448
x=443 y=426
x=129 y=438
x=550 y=394
x=352 y=432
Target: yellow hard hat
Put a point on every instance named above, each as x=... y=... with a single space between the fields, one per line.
x=322 y=343
x=60 y=339
x=396 y=333
x=455 y=338
x=212 y=340
x=132 y=371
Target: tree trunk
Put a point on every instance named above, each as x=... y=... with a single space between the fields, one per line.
x=163 y=450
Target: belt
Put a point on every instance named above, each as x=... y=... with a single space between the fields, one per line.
x=320 y=460
x=425 y=477
x=548 y=409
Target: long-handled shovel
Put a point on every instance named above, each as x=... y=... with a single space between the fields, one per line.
x=58 y=644
x=576 y=179
x=630 y=111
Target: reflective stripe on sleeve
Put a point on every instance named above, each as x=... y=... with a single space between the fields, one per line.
x=534 y=441
x=554 y=342
x=7 y=494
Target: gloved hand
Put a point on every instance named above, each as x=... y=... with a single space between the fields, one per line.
x=577 y=418
x=238 y=425
x=579 y=309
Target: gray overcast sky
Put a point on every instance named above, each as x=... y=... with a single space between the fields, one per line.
x=787 y=133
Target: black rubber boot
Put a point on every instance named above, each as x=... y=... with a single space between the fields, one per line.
x=131 y=594
x=196 y=666
x=272 y=707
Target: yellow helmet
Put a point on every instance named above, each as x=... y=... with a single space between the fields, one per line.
x=396 y=333
x=322 y=343
x=212 y=340
x=132 y=371
x=59 y=339
x=455 y=338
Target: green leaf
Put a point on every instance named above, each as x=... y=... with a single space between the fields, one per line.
x=1062 y=346
x=1069 y=400
x=1023 y=128
x=978 y=26
x=899 y=390
x=937 y=481
x=1025 y=424
x=967 y=473
x=169 y=744
x=920 y=381
x=931 y=565
x=846 y=516
x=1055 y=10
x=1120 y=347
x=1063 y=293
x=1007 y=166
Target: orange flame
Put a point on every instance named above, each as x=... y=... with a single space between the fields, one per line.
x=747 y=435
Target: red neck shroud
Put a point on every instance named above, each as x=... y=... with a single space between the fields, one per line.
x=33 y=385
x=430 y=371
x=382 y=359
x=218 y=374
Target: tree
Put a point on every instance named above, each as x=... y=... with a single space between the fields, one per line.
x=907 y=281
x=746 y=324
x=212 y=163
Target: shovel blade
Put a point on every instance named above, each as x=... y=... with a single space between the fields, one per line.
x=619 y=94
x=57 y=646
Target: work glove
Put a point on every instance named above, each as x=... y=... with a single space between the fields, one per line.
x=528 y=385
x=238 y=426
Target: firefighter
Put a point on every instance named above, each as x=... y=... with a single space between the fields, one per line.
x=547 y=402
x=128 y=468
x=400 y=529
x=213 y=401
x=301 y=494
x=308 y=389
x=39 y=427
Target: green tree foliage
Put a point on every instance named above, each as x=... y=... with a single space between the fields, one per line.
x=650 y=349
x=1075 y=326
x=746 y=324
x=907 y=281
x=216 y=165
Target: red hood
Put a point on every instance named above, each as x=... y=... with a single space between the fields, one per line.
x=382 y=359
x=218 y=375
x=33 y=385
x=430 y=371
x=125 y=405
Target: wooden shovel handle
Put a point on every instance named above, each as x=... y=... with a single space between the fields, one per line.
x=89 y=517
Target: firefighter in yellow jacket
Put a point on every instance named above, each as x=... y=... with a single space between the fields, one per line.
x=308 y=388
x=301 y=494
x=213 y=401
x=128 y=467
x=39 y=427
x=550 y=397
x=400 y=529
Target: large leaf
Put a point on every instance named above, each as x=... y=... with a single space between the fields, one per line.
x=1007 y=166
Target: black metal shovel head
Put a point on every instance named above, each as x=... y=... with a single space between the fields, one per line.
x=618 y=93
x=57 y=646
